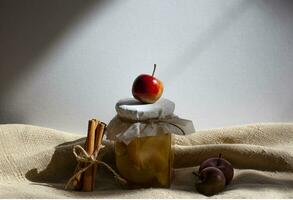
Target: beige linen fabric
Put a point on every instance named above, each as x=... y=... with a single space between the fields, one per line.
x=35 y=162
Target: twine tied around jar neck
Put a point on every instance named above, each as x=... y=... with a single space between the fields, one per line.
x=84 y=157
x=167 y=120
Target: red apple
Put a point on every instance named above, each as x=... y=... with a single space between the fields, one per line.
x=147 y=88
x=220 y=163
x=211 y=181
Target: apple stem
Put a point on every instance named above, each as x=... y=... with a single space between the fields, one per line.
x=155 y=66
x=218 y=161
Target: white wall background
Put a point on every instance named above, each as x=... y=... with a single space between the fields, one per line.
x=223 y=62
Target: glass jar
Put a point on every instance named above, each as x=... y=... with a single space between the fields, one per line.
x=143 y=141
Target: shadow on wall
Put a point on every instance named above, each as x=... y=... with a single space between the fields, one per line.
x=28 y=29
x=281 y=9
x=207 y=37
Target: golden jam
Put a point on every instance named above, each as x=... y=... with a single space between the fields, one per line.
x=146 y=161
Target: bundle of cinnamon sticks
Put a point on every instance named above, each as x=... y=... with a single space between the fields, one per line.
x=86 y=181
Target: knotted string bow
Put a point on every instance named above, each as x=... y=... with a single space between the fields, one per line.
x=84 y=157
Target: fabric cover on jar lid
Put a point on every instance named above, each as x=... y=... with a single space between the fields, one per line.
x=135 y=119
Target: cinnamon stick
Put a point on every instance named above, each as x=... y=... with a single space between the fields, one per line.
x=78 y=181
x=87 y=185
x=99 y=133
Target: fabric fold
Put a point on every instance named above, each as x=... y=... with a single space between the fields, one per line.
x=36 y=162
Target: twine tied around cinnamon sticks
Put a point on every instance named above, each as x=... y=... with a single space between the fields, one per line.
x=87 y=159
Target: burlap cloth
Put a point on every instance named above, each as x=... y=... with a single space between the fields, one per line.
x=35 y=162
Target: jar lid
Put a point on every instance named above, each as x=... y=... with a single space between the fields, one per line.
x=135 y=119
x=133 y=109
